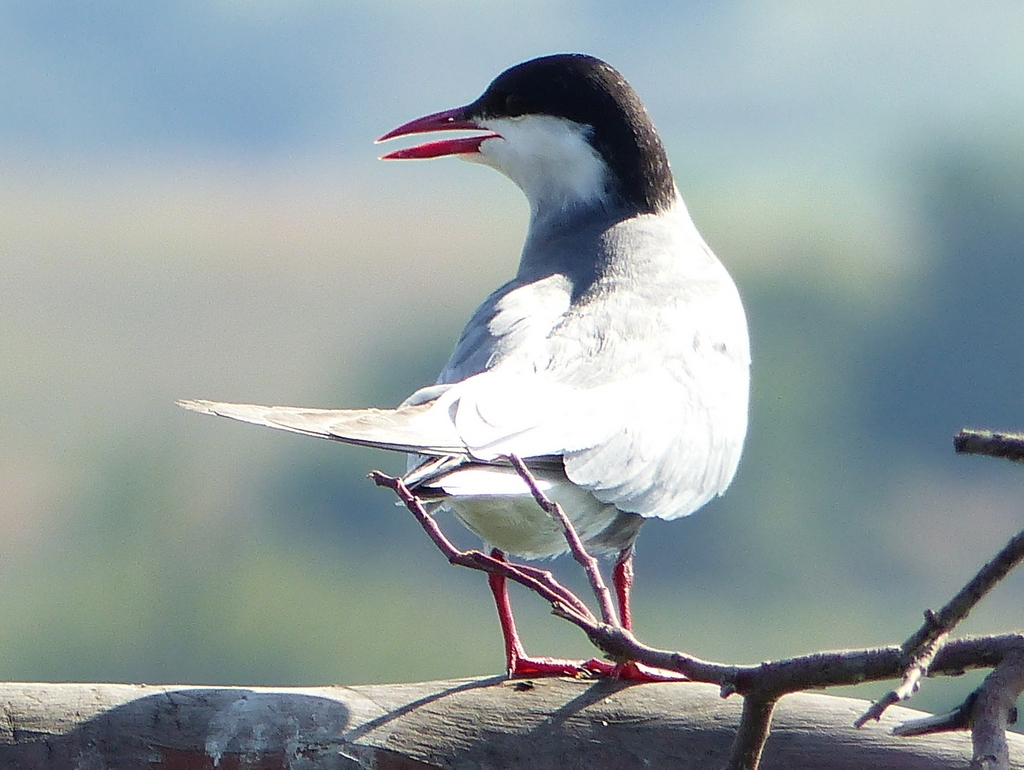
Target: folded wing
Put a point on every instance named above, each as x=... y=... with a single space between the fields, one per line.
x=648 y=444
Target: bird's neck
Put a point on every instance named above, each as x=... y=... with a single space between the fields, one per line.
x=583 y=242
x=568 y=241
x=553 y=215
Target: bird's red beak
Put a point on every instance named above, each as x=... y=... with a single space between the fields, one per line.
x=448 y=120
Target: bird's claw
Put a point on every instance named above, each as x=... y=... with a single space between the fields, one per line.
x=630 y=671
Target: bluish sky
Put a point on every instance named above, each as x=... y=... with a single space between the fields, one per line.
x=315 y=77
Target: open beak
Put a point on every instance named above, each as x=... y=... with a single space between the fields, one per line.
x=448 y=120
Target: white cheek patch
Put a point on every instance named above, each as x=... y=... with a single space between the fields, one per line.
x=549 y=158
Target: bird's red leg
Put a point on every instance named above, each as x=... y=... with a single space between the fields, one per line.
x=517 y=664
x=622 y=579
x=514 y=651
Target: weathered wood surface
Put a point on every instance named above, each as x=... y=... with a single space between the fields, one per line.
x=467 y=724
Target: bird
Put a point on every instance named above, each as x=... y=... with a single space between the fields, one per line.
x=614 y=363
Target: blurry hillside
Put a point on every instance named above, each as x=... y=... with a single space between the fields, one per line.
x=190 y=207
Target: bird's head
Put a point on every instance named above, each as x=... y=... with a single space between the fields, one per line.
x=567 y=129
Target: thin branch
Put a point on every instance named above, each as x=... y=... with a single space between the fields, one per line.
x=576 y=547
x=874 y=713
x=926 y=642
x=922 y=653
x=538 y=581
x=755 y=724
x=1009 y=446
x=993 y=709
x=951 y=721
x=988 y=576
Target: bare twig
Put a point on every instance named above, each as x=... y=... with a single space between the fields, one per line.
x=995 y=444
x=921 y=653
x=755 y=724
x=951 y=721
x=984 y=581
x=874 y=713
x=924 y=644
x=1009 y=446
x=993 y=709
x=986 y=712
x=541 y=582
x=921 y=648
x=576 y=547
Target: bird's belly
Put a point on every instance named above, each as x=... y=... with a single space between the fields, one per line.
x=516 y=524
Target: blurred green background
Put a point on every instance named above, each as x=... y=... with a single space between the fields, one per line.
x=190 y=206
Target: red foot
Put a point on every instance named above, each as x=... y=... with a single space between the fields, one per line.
x=519 y=665
x=630 y=671
x=536 y=667
x=638 y=672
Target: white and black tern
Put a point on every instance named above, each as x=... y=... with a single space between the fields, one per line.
x=615 y=362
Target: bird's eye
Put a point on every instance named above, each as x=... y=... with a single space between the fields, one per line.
x=513 y=105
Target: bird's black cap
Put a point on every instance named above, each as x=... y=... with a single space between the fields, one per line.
x=590 y=92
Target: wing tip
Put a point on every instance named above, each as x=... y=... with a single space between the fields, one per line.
x=197 y=405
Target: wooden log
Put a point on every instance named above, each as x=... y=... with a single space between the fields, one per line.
x=466 y=724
